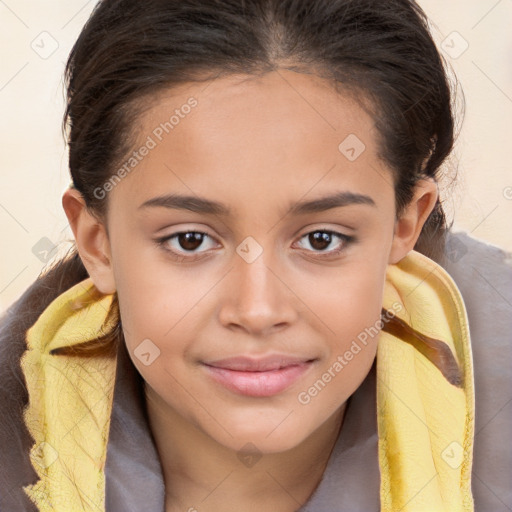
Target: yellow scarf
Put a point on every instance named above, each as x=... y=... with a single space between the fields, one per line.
x=425 y=424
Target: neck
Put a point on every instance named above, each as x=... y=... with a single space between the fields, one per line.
x=200 y=472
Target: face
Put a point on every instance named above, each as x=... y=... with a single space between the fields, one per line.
x=249 y=244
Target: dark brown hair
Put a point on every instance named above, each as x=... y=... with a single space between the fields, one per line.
x=131 y=50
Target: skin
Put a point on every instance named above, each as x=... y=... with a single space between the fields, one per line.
x=257 y=146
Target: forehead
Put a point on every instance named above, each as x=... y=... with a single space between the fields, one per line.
x=277 y=135
x=240 y=108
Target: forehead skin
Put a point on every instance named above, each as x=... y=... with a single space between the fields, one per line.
x=256 y=144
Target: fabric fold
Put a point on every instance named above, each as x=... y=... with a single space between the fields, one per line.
x=425 y=424
x=70 y=400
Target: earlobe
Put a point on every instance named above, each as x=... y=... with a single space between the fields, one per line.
x=408 y=226
x=91 y=240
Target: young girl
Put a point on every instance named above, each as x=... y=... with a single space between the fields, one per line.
x=252 y=317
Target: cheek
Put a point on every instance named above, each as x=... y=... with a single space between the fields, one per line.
x=352 y=314
x=161 y=323
x=154 y=301
x=351 y=299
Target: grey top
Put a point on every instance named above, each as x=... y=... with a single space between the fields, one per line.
x=134 y=480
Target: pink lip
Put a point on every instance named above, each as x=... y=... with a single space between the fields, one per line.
x=262 y=377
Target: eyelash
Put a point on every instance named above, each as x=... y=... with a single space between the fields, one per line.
x=346 y=240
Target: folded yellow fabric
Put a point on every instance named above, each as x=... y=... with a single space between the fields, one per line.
x=425 y=424
x=70 y=401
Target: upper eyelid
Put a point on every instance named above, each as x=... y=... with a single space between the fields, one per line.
x=309 y=229
x=204 y=232
x=344 y=236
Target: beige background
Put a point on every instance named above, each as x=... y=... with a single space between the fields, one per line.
x=36 y=37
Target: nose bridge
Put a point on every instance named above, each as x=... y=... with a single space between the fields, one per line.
x=255 y=278
x=258 y=299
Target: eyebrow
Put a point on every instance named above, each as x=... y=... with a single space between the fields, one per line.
x=202 y=205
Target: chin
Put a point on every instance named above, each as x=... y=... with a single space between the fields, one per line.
x=265 y=437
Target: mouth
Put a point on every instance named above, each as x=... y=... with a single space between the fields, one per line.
x=262 y=377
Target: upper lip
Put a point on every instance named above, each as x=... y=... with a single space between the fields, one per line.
x=260 y=364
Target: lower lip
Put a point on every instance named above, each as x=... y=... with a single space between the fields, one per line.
x=260 y=384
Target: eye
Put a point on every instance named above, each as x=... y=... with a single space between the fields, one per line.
x=184 y=242
x=187 y=242
x=321 y=239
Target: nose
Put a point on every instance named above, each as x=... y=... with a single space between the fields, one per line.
x=256 y=298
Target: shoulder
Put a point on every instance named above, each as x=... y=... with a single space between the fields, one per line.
x=16 y=470
x=483 y=274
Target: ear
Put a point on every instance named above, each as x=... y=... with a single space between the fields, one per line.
x=91 y=240
x=408 y=226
